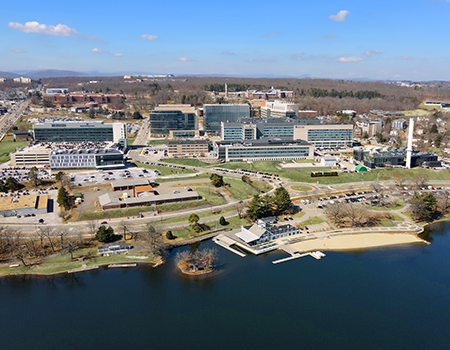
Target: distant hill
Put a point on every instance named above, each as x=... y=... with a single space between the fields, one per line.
x=54 y=73
x=8 y=75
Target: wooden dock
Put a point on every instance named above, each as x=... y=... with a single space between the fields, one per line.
x=226 y=243
x=294 y=254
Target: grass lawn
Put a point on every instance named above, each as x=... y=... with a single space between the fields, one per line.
x=261 y=186
x=213 y=198
x=23 y=126
x=315 y=220
x=301 y=188
x=398 y=205
x=397 y=217
x=165 y=170
x=420 y=112
x=387 y=223
x=157 y=142
x=188 y=162
x=304 y=175
x=188 y=232
x=60 y=263
x=201 y=215
x=239 y=189
x=130 y=142
x=8 y=146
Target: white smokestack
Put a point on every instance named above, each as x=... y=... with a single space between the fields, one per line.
x=410 y=138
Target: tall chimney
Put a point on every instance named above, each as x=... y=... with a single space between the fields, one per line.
x=410 y=138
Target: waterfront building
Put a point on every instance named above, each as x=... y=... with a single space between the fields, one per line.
x=264 y=232
x=263 y=149
x=187 y=147
x=279 y=109
x=214 y=114
x=75 y=131
x=165 y=118
x=309 y=129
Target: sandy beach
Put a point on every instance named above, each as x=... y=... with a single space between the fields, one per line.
x=357 y=241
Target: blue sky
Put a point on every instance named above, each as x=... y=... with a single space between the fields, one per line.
x=396 y=39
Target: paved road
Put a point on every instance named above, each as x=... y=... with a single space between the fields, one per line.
x=10 y=118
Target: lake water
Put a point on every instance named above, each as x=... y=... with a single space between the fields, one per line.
x=391 y=298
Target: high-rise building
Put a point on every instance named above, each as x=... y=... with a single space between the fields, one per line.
x=165 y=118
x=214 y=114
x=279 y=109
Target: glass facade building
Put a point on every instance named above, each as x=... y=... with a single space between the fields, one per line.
x=161 y=122
x=215 y=114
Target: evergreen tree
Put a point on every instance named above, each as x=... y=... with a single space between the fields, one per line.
x=281 y=200
x=104 y=234
x=223 y=221
x=216 y=180
x=33 y=176
x=12 y=184
x=63 y=198
x=434 y=129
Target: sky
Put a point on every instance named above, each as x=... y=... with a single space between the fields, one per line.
x=348 y=39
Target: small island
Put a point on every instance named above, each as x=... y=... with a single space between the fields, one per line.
x=196 y=263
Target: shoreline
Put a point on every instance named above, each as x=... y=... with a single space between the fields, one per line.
x=358 y=241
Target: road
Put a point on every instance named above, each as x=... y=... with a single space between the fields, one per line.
x=10 y=118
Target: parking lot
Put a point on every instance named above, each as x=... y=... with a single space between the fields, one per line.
x=98 y=177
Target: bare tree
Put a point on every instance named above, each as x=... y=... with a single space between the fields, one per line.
x=336 y=212
x=240 y=209
x=443 y=204
x=154 y=239
x=124 y=227
x=47 y=232
x=399 y=179
x=420 y=180
x=92 y=226
x=356 y=213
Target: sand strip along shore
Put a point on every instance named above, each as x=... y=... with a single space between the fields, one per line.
x=357 y=241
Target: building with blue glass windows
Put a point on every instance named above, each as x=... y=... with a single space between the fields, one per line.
x=215 y=114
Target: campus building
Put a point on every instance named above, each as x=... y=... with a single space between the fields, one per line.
x=187 y=147
x=23 y=205
x=263 y=94
x=386 y=114
x=309 y=129
x=214 y=114
x=31 y=156
x=371 y=127
x=263 y=149
x=279 y=109
x=377 y=159
x=110 y=158
x=399 y=124
x=79 y=131
x=165 y=118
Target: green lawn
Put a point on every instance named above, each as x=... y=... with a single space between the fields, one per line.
x=60 y=263
x=188 y=232
x=398 y=205
x=165 y=170
x=23 y=126
x=315 y=220
x=239 y=189
x=301 y=188
x=188 y=162
x=201 y=215
x=157 y=142
x=261 y=186
x=8 y=146
x=387 y=223
x=397 y=217
x=304 y=175
x=211 y=196
x=130 y=142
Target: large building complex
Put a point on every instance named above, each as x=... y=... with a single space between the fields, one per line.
x=308 y=129
x=214 y=114
x=79 y=131
x=263 y=149
x=263 y=94
x=82 y=98
x=165 y=118
x=109 y=158
x=23 y=205
x=31 y=156
x=375 y=159
x=279 y=109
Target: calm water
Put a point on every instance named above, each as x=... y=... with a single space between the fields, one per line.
x=396 y=298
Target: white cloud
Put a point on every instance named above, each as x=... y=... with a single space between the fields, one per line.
x=36 y=27
x=105 y=52
x=17 y=51
x=405 y=57
x=149 y=37
x=340 y=17
x=297 y=56
x=95 y=50
x=184 y=59
x=118 y=54
x=372 y=52
x=350 y=59
x=331 y=36
x=95 y=38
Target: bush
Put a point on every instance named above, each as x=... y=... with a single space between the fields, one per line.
x=169 y=235
x=223 y=221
